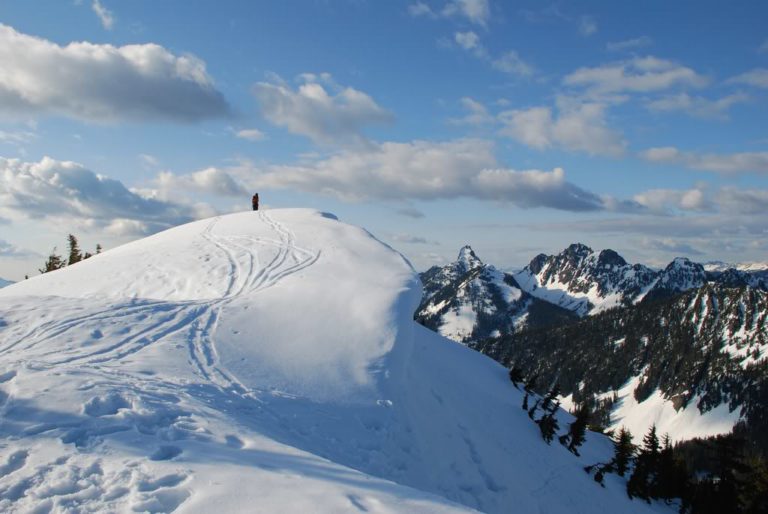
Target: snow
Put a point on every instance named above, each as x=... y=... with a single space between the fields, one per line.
x=458 y=324
x=263 y=362
x=681 y=424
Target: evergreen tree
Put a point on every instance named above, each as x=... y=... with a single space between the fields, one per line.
x=644 y=477
x=624 y=451
x=672 y=479
x=532 y=410
x=530 y=384
x=75 y=255
x=516 y=376
x=98 y=248
x=551 y=397
x=53 y=262
x=548 y=425
x=577 y=429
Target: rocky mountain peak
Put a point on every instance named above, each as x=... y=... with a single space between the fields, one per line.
x=467 y=259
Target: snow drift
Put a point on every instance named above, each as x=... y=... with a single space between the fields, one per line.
x=262 y=362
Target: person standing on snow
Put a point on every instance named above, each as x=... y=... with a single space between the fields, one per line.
x=255 y=201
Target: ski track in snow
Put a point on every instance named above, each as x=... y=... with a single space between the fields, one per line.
x=196 y=321
x=197 y=318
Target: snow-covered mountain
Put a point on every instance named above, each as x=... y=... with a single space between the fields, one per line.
x=585 y=282
x=693 y=364
x=4 y=283
x=263 y=362
x=467 y=300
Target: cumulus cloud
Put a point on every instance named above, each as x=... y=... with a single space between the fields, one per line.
x=697 y=106
x=103 y=83
x=212 y=181
x=576 y=126
x=67 y=191
x=426 y=170
x=757 y=77
x=629 y=44
x=641 y=74
x=719 y=163
x=666 y=200
x=106 y=17
x=311 y=111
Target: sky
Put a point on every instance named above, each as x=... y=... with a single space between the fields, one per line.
x=517 y=127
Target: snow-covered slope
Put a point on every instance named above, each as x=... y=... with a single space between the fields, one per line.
x=468 y=301
x=4 y=283
x=262 y=362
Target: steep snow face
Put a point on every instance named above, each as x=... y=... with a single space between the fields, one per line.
x=582 y=281
x=262 y=361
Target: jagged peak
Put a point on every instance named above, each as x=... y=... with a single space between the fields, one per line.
x=683 y=262
x=537 y=263
x=468 y=259
x=577 y=249
x=610 y=258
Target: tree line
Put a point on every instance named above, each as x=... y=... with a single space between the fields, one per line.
x=75 y=255
x=704 y=476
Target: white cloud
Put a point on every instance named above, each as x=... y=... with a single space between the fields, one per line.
x=425 y=170
x=103 y=83
x=587 y=25
x=475 y=11
x=469 y=41
x=510 y=62
x=629 y=44
x=763 y=49
x=697 y=106
x=641 y=74
x=476 y=115
x=578 y=127
x=667 y=200
x=105 y=15
x=311 y=111
x=148 y=161
x=410 y=239
x=68 y=193
x=757 y=77
x=719 y=163
x=250 y=134
x=420 y=9
x=212 y=181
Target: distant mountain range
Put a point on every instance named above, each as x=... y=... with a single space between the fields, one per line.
x=684 y=347
x=468 y=300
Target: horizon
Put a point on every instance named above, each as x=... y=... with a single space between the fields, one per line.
x=515 y=129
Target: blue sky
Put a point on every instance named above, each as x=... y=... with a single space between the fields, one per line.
x=516 y=127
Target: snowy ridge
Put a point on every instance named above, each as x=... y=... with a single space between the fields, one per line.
x=587 y=283
x=262 y=362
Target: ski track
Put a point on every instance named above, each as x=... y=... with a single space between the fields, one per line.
x=197 y=319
